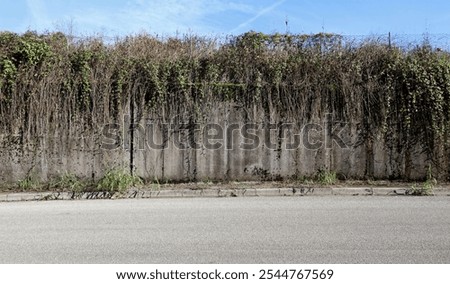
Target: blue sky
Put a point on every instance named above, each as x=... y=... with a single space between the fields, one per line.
x=220 y=17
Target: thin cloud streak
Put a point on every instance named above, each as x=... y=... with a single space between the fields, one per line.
x=164 y=17
x=181 y=16
x=39 y=18
x=258 y=15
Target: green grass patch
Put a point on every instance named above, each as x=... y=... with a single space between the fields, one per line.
x=68 y=181
x=118 y=181
x=31 y=182
x=326 y=177
x=427 y=187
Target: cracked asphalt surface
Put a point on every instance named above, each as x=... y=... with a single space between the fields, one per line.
x=310 y=229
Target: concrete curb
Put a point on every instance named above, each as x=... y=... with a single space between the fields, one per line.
x=216 y=192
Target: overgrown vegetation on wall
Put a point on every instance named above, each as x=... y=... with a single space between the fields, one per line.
x=51 y=84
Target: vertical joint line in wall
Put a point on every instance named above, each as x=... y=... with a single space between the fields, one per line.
x=226 y=144
x=131 y=128
x=165 y=139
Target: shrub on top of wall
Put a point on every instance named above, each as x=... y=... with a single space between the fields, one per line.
x=400 y=95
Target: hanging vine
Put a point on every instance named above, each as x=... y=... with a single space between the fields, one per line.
x=402 y=95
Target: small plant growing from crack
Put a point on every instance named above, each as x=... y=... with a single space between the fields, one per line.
x=426 y=188
x=68 y=181
x=29 y=183
x=326 y=177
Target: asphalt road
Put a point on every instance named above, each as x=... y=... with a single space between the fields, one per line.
x=328 y=229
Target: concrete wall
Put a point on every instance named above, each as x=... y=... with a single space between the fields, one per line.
x=86 y=155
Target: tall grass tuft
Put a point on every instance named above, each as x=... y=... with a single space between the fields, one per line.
x=117 y=181
x=326 y=177
x=68 y=181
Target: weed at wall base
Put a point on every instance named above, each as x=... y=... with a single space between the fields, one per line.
x=29 y=183
x=325 y=177
x=68 y=181
x=426 y=188
x=117 y=181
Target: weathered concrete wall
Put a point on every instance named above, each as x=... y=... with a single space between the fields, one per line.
x=234 y=160
x=167 y=155
x=52 y=157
